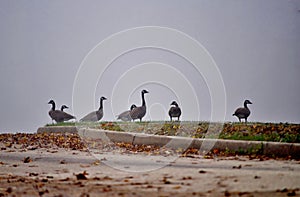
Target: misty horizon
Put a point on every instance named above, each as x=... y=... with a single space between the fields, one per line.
x=46 y=44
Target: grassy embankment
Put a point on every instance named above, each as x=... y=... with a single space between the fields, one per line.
x=255 y=131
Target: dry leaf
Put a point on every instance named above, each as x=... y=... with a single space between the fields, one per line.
x=27 y=160
x=81 y=176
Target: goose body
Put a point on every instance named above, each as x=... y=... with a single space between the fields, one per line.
x=243 y=112
x=174 y=111
x=58 y=115
x=139 y=112
x=95 y=115
x=125 y=116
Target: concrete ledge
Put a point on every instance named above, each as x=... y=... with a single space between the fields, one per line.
x=58 y=129
x=278 y=149
x=295 y=150
x=106 y=135
x=150 y=139
x=267 y=148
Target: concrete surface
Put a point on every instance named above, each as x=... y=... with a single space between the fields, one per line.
x=113 y=174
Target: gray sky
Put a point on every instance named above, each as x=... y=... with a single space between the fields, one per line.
x=255 y=45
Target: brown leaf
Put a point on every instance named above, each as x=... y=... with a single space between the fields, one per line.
x=237 y=167
x=202 y=171
x=81 y=176
x=33 y=174
x=177 y=187
x=27 y=160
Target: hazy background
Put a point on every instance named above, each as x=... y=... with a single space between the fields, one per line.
x=255 y=44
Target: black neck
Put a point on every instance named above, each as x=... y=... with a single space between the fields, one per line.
x=245 y=105
x=53 y=106
x=101 y=104
x=143 y=100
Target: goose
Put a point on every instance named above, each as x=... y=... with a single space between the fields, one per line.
x=125 y=116
x=174 y=111
x=95 y=115
x=243 y=112
x=63 y=107
x=58 y=115
x=139 y=112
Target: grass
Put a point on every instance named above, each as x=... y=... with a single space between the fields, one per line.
x=254 y=131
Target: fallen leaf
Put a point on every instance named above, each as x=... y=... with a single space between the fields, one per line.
x=27 y=160
x=237 y=167
x=81 y=176
x=177 y=187
x=96 y=163
x=166 y=181
x=63 y=162
x=33 y=174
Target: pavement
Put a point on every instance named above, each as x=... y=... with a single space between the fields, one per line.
x=61 y=172
x=53 y=171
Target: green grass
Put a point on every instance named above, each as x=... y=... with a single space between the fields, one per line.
x=254 y=131
x=61 y=124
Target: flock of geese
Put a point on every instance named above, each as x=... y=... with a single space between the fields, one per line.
x=133 y=113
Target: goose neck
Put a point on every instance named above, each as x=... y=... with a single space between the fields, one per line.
x=53 y=106
x=143 y=100
x=101 y=104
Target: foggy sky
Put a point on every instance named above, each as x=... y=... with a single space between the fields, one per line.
x=255 y=45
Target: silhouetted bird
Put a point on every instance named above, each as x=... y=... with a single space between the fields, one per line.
x=174 y=111
x=95 y=115
x=243 y=112
x=63 y=107
x=139 y=112
x=125 y=116
x=58 y=115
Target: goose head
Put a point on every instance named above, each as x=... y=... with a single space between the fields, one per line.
x=132 y=106
x=144 y=91
x=247 y=102
x=51 y=102
x=63 y=107
x=103 y=98
x=174 y=103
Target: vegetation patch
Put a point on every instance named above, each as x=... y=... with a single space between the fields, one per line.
x=254 y=131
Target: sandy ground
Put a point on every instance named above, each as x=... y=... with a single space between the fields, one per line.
x=63 y=172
